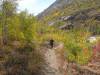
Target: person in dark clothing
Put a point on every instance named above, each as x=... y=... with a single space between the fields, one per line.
x=51 y=43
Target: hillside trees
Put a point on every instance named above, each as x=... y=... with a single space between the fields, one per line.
x=8 y=8
x=26 y=25
x=15 y=26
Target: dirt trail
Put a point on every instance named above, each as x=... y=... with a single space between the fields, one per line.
x=51 y=56
x=55 y=60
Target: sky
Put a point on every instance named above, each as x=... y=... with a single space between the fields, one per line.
x=34 y=6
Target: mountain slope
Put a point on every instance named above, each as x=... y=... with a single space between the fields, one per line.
x=66 y=14
x=58 y=4
x=63 y=4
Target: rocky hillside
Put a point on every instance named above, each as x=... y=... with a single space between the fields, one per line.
x=58 y=4
x=67 y=14
x=62 y=4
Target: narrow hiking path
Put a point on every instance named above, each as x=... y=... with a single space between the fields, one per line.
x=55 y=61
x=51 y=56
